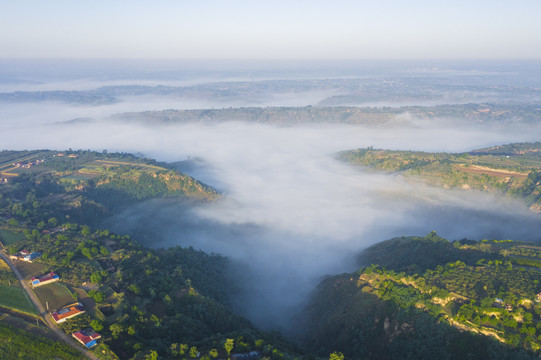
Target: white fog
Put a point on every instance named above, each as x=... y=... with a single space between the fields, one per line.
x=291 y=212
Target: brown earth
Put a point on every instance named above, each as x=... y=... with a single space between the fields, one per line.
x=476 y=169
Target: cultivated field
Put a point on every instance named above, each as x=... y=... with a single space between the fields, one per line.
x=56 y=294
x=8 y=236
x=4 y=266
x=7 y=168
x=7 y=277
x=15 y=298
x=28 y=269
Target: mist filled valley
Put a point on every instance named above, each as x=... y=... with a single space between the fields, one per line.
x=291 y=212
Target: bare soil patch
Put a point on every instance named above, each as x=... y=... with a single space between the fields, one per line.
x=500 y=173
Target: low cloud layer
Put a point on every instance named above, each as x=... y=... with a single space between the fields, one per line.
x=291 y=212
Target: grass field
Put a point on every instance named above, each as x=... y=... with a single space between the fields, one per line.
x=8 y=237
x=28 y=269
x=56 y=294
x=104 y=353
x=21 y=344
x=15 y=298
x=7 y=277
x=28 y=325
x=4 y=266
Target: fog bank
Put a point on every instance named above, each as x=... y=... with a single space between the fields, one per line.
x=291 y=212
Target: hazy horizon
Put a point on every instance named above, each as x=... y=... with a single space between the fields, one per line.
x=278 y=30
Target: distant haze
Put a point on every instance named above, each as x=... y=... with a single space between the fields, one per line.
x=239 y=29
x=291 y=212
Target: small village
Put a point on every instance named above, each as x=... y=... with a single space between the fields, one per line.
x=86 y=336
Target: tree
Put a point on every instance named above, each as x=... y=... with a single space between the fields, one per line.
x=98 y=296
x=86 y=252
x=152 y=356
x=116 y=329
x=134 y=289
x=17 y=209
x=131 y=330
x=228 y=346
x=213 y=353
x=96 y=325
x=336 y=356
x=104 y=251
x=85 y=231
x=96 y=277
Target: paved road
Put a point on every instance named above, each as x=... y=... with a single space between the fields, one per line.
x=43 y=313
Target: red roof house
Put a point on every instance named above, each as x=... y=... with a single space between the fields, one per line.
x=87 y=337
x=44 y=279
x=68 y=312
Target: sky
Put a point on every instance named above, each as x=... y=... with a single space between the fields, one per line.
x=277 y=30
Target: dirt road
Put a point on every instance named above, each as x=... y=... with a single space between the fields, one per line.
x=43 y=313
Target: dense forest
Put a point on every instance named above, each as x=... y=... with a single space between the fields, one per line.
x=427 y=297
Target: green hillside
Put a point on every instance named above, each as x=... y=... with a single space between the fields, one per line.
x=514 y=170
x=426 y=297
x=172 y=303
x=87 y=185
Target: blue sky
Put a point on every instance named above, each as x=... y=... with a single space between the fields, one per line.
x=238 y=29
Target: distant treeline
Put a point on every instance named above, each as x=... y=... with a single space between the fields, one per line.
x=471 y=113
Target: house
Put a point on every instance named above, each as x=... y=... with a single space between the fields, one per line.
x=73 y=156
x=87 y=337
x=31 y=257
x=20 y=255
x=538 y=297
x=68 y=312
x=45 y=279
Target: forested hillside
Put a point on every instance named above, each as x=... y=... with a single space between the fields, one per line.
x=514 y=170
x=426 y=297
x=465 y=113
x=168 y=303
x=88 y=185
